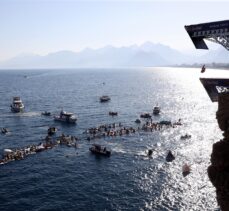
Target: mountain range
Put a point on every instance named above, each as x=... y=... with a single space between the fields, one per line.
x=145 y=55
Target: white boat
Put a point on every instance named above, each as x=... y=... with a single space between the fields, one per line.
x=17 y=105
x=7 y=151
x=66 y=117
x=156 y=110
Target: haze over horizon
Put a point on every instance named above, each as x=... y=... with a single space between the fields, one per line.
x=43 y=27
x=146 y=55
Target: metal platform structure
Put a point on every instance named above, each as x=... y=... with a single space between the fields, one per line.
x=217 y=32
x=214 y=86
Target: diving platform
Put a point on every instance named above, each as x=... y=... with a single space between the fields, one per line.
x=217 y=32
x=215 y=86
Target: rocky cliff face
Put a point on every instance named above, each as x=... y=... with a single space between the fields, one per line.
x=218 y=171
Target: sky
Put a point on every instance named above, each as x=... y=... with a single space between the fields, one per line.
x=42 y=27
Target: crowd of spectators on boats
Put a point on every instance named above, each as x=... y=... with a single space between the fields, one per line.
x=102 y=131
x=21 y=153
x=117 y=129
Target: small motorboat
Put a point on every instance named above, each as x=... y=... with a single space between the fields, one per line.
x=150 y=152
x=186 y=169
x=178 y=123
x=186 y=136
x=170 y=157
x=52 y=131
x=7 y=151
x=138 y=121
x=145 y=115
x=104 y=98
x=165 y=122
x=99 y=150
x=112 y=113
x=65 y=117
x=46 y=113
x=40 y=148
x=156 y=110
x=4 y=130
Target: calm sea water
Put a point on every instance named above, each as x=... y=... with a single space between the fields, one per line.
x=66 y=178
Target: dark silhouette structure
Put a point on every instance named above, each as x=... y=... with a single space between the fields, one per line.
x=217 y=32
x=218 y=91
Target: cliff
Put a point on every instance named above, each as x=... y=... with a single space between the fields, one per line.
x=218 y=171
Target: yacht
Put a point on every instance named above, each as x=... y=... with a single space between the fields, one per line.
x=66 y=117
x=17 y=105
x=156 y=110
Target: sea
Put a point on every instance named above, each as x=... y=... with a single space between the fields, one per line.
x=67 y=178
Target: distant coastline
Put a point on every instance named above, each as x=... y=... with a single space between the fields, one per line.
x=222 y=66
x=213 y=65
x=145 y=55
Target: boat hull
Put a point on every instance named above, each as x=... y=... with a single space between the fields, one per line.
x=17 y=109
x=71 y=121
x=96 y=152
x=156 y=112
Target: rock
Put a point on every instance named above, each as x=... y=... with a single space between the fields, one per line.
x=218 y=171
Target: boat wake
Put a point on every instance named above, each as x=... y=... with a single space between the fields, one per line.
x=29 y=114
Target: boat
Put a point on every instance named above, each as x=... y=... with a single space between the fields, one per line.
x=104 y=98
x=138 y=121
x=66 y=117
x=170 y=157
x=112 y=113
x=52 y=131
x=165 y=122
x=46 y=113
x=40 y=148
x=99 y=150
x=7 y=151
x=186 y=136
x=150 y=152
x=156 y=110
x=145 y=115
x=4 y=130
x=186 y=169
x=17 y=105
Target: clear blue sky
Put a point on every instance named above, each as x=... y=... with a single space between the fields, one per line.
x=40 y=26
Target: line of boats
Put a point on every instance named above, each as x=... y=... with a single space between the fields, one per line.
x=67 y=117
x=18 y=106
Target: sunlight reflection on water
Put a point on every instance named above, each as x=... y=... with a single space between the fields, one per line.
x=128 y=180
